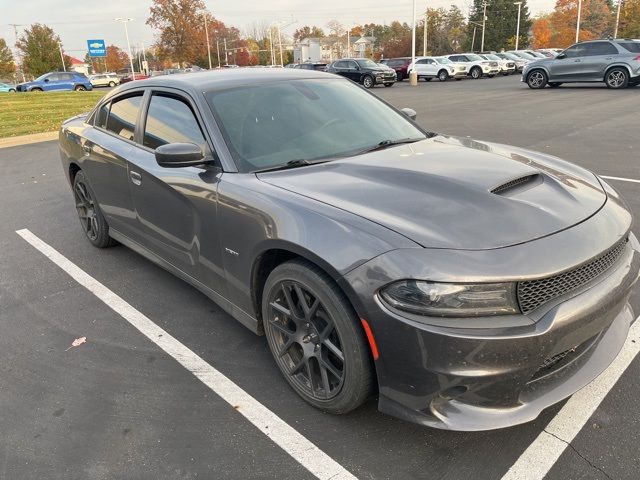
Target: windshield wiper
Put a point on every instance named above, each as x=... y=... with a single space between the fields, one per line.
x=300 y=162
x=388 y=143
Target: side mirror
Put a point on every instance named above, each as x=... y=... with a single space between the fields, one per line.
x=174 y=155
x=409 y=112
x=561 y=56
x=46 y=80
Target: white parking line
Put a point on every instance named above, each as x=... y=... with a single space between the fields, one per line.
x=538 y=459
x=621 y=179
x=302 y=450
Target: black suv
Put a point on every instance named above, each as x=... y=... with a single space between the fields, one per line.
x=364 y=71
x=320 y=66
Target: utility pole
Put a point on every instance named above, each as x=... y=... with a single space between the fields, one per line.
x=206 y=32
x=519 y=4
x=218 y=50
x=578 y=24
x=615 y=32
x=226 y=57
x=144 y=58
x=473 y=39
x=280 y=42
x=426 y=30
x=126 y=32
x=64 y=68
x=484 y=21
x=413 y=76
x=18 y=55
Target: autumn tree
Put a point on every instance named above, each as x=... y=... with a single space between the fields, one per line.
x=500 y=25
x=40 y=50
x=308 y=32
x=116 y=59
x=7 y=67
x=181 y=26
x=336 y=28
x=595 y=21
x=629 y=19
x=541 y=32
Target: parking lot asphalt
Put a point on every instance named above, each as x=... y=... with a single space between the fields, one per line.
x=119 y=407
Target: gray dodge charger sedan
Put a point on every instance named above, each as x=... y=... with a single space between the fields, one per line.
x=467 y=285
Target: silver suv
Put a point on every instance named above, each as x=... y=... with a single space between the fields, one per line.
x=614 y=62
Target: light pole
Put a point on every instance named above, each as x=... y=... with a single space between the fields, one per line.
x=615 y=32
x=61 y=55
x=519 y=4
x=413 y=76
x=426 y=30
x=206 y=32
x=578 y=24
x=484 y=20
x=280 y=43
x=126 y=32
x=473 y=39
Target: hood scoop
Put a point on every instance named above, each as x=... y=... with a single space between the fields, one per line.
x=517 y=183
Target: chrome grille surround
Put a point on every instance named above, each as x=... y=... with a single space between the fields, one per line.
x=534 y=293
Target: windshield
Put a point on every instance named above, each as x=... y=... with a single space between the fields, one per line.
x=443 y=61
x=510 y=56
x=524 y=55
x=270 y=124
x=366 y=63
x=491 y=56
x=474 y=58
x=41 y=77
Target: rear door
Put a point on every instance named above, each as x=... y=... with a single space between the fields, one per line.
x=353 y=71
x=107 y=146
x=51 y=82
x=65 y=81
x=175 y=207
x=597 y=57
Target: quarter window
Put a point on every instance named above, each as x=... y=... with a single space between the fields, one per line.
x=599 y=48
x=170 y=120
x=123 y=116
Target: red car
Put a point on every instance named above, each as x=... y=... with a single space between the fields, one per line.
x=139 y=76
x=399 y=65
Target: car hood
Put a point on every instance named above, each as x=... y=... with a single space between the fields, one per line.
x=446 y=192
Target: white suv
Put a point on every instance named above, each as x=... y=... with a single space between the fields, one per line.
x=476 y=65
x=436 y=67
x=104 y=80
x=507 y=67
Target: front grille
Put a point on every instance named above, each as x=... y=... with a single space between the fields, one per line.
x=494 y=64
x=509 y=65
x=534 y=293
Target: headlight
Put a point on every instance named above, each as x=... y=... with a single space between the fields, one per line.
x=452 y=299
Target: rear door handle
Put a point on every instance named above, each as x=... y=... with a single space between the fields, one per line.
x=136 y=178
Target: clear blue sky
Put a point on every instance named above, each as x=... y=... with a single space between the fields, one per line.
x=76 y=22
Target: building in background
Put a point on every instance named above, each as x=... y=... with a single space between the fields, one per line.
x=79 y=66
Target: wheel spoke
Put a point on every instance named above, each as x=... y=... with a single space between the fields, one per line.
x=279 y=308
x=281 y=328
x=325 y=380
x=327 y=366
x=285 y=348
x=297 y=367
x=307 y=366
x=292 y=308
x=334 y=349
x=302 y=301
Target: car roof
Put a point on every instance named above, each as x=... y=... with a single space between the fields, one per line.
x=224 y=78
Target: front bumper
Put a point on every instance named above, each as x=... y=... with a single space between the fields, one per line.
x=386 y=78
x=502 y=371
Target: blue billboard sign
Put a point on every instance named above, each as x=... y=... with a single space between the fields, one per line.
x=97 y=48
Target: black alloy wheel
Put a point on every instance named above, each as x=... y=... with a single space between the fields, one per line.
x=92 y=221
x=315 y=338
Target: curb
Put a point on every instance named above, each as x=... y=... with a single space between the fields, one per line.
x=28 y=139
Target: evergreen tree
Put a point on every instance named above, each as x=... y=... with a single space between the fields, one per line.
x=500 y=26
x=40 y=50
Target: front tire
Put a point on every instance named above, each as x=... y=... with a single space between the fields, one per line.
x=476 y=73
x=443 y=76
x=112 y=84
x=12 y=90
x=617 y=77
x=92 y=221
x=367 y=81
x=315 y=338
x=537 y=79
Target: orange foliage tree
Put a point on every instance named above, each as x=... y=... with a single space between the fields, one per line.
x=541 y=33
x=595 y=21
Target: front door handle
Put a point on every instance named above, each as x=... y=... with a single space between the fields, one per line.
x=136 y=178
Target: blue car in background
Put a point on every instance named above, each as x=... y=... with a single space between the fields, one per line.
x=56 y=81
x=6 y=87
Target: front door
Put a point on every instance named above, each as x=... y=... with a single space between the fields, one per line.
x=570 y=66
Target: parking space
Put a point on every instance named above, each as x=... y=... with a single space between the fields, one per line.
x=119 y=406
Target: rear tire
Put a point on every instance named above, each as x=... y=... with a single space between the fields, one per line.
x=36 y=89
x=79 y=88
x=93 y=223
x=537 y=79
x=617 y=77
x=315 y=338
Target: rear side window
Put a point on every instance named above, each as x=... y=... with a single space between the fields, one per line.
x=171 y=120
x=633 y=47
x=102 y=115
x=123 y=115
x=599 y=48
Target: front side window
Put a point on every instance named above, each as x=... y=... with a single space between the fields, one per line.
x=102 y=115
x=443 y=60
x=474 y=58
x=123 y=116
x=171 y=120
x=574 y=51
x=366 y=63
x=268 y=125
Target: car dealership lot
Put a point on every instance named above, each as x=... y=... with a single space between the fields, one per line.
x=118 y=406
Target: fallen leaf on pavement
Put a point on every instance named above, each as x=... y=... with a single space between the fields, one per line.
x=76 y=342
